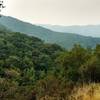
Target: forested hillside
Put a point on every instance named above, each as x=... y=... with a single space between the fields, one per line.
x=66 y=40
x=33 y=70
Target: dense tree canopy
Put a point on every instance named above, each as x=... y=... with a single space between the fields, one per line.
x=29 y=67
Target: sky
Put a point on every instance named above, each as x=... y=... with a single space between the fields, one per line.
x=55 y=12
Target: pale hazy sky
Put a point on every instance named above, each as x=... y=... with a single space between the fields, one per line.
x=60 y=12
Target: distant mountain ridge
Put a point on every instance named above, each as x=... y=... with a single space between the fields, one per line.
x=66 y=40
x=85 y=30
x=4 y=29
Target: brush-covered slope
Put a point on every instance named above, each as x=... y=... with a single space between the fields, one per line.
x=66 y=40
x=33 y=70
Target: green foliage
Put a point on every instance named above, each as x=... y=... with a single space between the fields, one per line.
x=30 y=68
x=66 y=40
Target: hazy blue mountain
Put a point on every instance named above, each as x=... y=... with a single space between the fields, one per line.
x=4 y=29
x=66 y=40
x=86 y=30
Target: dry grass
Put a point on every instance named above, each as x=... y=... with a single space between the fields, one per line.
x=86 y=92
